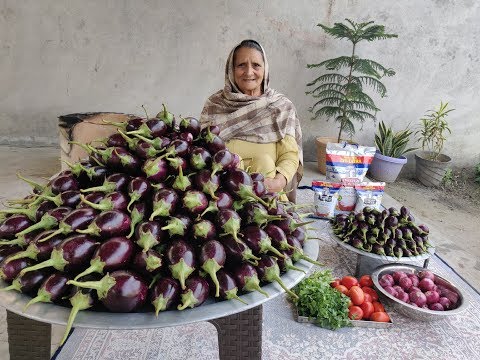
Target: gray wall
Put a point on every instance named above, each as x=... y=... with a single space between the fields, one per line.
x=59 y=57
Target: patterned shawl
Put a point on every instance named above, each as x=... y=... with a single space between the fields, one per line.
x=260 y=119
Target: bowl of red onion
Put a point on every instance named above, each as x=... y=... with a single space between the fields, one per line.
x=417 y=292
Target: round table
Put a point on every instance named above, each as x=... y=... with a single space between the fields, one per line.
x=239 y=326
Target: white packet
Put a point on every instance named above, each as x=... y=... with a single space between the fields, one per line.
x=326 y=197
x=369 y=194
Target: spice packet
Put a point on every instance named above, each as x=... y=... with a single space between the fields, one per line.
x=369 y=194
x=326 y=198
x=348 y=162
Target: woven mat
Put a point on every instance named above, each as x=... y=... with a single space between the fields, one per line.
x=284 y=338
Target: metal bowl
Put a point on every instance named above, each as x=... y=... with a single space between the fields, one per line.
x=412 y=311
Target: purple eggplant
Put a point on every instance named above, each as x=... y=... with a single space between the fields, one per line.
x=164 y=203
x=9 y=270
x=28 y=283
x=258 y=240
x=212 y=258
x=156 y=170
x=119 y=291
x=179 y=148
x=113 y=182
x=167 y=117
x=76 y=220
x=178 y=225
x=34 y=211
x=207 y=182
x=147 y=262
x=222 y=200
x=269 y=271
x=203 y=230
x=149 y=234
x=165 y=294
x=255 y=213
x=181 y=182
x=175 y=164
x=38 y=249
x=130 y=125
x=194 y=201
x=214 y=144
x=52 y=289
x=246 y=278
x=256 y=176
x=6 y=250
x=285 y=264
x=13 y=225
x=240 y=183
x=195 y=292
x=82 y=299
x=138 y=214
x=191 y=125
x=19 y=242
x=115 y=200
x=111 y=255
x=73 y=254
x=48 y=221
x=116 y=140
x=182 y=261
x=277 y=236
x=297 y=252
x=221 y=160
x=60 y=183
x=151 y=128
x=288 y=224
x=129 y=163
x=108 y=224
x=259 y=188
x=209 y=131
x=237 y=251
x=93 y=197
x=228 y=286
x=229 y=222
x=138 y=189
x=200 y=158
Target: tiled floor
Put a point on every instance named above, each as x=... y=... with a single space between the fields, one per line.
x=41 y=163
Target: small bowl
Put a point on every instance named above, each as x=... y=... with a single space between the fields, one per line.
x=412 y=311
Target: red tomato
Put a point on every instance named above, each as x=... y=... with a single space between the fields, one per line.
x=356 y=294
x=368 y=297
x=342 y=289
x=335 y=283
x=380 y=316
x=349 y=281
x=378 y=307
x=370 y=291
x=366 y=280
x=355 y=313
x=367 y=308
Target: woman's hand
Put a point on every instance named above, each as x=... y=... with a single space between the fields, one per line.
x=276 y=184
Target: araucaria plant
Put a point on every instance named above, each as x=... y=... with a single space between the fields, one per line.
x=341 y=94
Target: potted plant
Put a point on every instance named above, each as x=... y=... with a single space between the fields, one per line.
x=389 y=157
x=430 y=164
x=341 y=95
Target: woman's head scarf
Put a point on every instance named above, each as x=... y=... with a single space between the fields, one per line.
x=267 y=118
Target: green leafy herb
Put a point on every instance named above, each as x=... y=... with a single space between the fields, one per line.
x=318 y=300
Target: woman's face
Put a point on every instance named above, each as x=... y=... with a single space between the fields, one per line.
x=248 y=70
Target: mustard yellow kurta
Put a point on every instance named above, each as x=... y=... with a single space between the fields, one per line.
x=268 y=159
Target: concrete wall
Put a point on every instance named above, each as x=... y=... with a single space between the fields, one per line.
x=59 y=57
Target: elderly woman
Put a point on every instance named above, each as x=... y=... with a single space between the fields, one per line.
x=256 y=122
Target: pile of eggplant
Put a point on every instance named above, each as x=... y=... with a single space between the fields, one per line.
x=159 y=216
x=390 y=232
